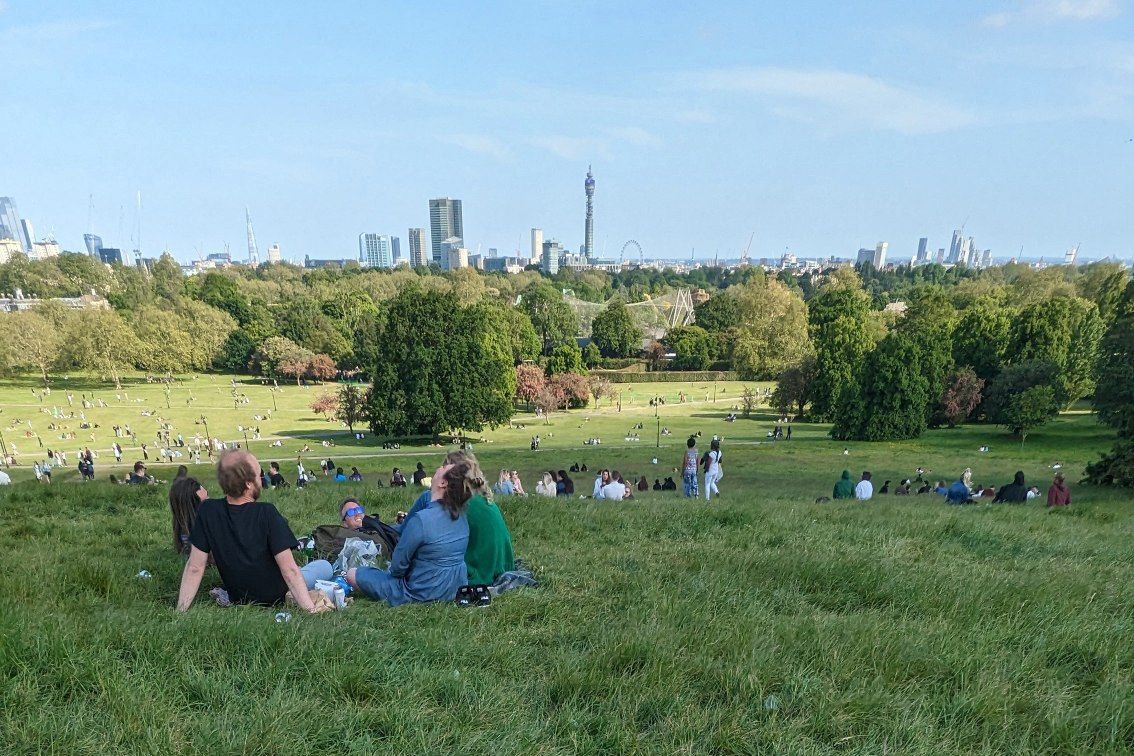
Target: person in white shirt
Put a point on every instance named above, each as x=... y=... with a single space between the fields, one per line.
x=545 y=486
x=601 y=479
x=615 y=488
x=5 y=479
x=865 y=489
x=713 y=471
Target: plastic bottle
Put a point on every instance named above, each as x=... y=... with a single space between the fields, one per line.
x=283 y=617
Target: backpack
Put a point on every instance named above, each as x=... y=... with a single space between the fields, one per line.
x=329 y=540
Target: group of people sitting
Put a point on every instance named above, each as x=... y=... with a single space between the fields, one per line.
x=453 y=536
x=962 y=491
x=554 y=483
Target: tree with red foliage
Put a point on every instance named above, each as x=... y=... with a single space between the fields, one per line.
x=530 y=383
x=322 y=368
x=961 y=396
x=574 y=389
x=296 y=367
x=326 y=404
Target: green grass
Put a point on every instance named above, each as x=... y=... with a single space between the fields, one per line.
x=762 y=623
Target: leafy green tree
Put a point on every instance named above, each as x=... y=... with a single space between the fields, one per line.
x=35 y=343
x=553 y=319
x=1065 y=331
x=352 y=405
x=693 y=347
x=928 y=323
x=236 y=354
x=838 y=321
x=981 y=337
x=1114 y=397
x=168 y=281
x=523 y=339
x=1017 y=379
x=99 y=341
x=278 y=350
x=1104 y=284
x=431 y=380
x=219 y=291
x=613 y=331
x=793 y=387
x=889 y=400
x=304 y=322
x=565 y=358
x=773 y=329
x=591 y=354
x=718 y=313
x=1029 y=410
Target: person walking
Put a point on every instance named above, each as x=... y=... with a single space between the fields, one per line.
x=713 y=470
x=689 y=468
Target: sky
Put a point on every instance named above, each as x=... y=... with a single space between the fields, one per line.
x=818 y=127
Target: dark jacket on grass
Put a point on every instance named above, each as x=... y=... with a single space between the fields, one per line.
x=1013 y=493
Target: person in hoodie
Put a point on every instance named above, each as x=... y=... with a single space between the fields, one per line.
x=1059 y=495
x=1015 y=492
x=844 y=489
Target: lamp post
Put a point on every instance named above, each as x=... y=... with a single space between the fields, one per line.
x=274 y=407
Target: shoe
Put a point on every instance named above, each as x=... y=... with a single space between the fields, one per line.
x=465 y=596
x=483 y=597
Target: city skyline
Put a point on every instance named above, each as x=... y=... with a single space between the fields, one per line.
x=820 y=130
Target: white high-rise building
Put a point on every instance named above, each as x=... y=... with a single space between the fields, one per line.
x=456 y=256
x=419 y=256
x=550 y=255
x=274 y=253
x=375 y=251
x=880 y=255
x=537 y=245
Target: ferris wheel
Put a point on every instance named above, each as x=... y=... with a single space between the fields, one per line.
x=632 y=243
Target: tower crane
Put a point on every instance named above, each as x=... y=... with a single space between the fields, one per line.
x=748 y=246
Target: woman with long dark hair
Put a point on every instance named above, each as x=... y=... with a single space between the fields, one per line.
x=185 y=497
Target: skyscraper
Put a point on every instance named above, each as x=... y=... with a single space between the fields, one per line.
x=10 y=225
x=417 y=249
x=955 y=247
x=537 y=246
x=253 y=253
x=395 y=249
x=375 y=251
x=445 y=222
x=274 y=253
x=922 y=251
x=589 y=231
x=551 y=253
x=94 y=244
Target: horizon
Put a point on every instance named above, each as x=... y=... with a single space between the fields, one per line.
x=821 y=133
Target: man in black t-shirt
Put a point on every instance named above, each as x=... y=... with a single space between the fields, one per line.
x=274 y=476
x=138 y=477
x=249 y=540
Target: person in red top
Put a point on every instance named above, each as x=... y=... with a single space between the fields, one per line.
x=1059 y=495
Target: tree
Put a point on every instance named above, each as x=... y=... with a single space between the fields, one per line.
x=1030 y=409
x=237 y=352
x=1064 y=331
x=1017 y=379
x=553 y=319
x=352 y=402
x=747 y=401
x=928 y=323
x=655 y=355
x=276 y=351
x=1114 y=398
x=980 y=339
x=322 y=368
x=325 y=404
x=613 y=331
x=889 y=401
x=551 y=397
x=717 y=314
x=295 y=367
x=591 y=354
x=793 y=387
x=565 y=358
x=35 y=343
x=601 y=388
x=168 y=280
x=839 y=325
x=694 y=348
x=574 y=389
x=772 y=333
x=522 y=334
x=427 y=380
x=961 y=396
x=95 y=342
x=530 y=382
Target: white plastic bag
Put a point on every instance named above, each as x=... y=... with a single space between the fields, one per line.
x=333 y=591
x=357 y=552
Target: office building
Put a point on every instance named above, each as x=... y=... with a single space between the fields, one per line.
x=94 y=244
x=589 y=229
x=375 y=251
x=876 y=256
x=955 y=247
x=986 y=259
x=456 y=256
x=940 y=255
x=11 y=227
x=418 y=249
x=551 y=254
x=492 y=252
x=110 y=255
x=445 y=222
x=274 y=254
x=41 y=250
x=8 y=247
x=922 y=251
x=537 y=246
x=864 y=256
x=312 y=263
x=395 y=249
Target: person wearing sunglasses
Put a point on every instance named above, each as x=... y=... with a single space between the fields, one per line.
x=352 y=514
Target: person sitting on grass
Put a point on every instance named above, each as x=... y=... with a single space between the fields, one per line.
x=958 y=493
x=397 y=479
x=489 y=553
x=274 y=476
x=602 y=478
x=903 y=488
x=643 y=484
x=1059 y=495
x=419 y=474
x=249 y=540
x=340 y=476
x=1015 y=492
x=615 y=488
x=844 y=489
x=503 y=485
x=545 y=486
x=424 y=499
x=564 y=486
x=429 y=561
x=354 y=477
x=865 y=489
x=185 y=497
x=517 y=486
x=138 y=477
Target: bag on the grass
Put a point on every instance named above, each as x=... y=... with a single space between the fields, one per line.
x=330 y=539
x=357 y=552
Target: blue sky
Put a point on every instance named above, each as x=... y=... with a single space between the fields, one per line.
x=821 y=128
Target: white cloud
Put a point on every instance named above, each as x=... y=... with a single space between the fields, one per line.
x=834 y=98
x=482 y=145
x=634 y=135
x=572 y=148
x=1053 y=11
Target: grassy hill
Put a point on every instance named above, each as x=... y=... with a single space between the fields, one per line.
x=765 y=622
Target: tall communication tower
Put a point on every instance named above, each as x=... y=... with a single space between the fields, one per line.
x=589 y=234
x=253 y=255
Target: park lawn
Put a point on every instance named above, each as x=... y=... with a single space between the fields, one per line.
x=763 y=622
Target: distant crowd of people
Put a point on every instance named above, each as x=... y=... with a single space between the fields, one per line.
x=961 y=491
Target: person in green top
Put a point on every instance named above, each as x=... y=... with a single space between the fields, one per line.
x=489 y=553
x=844 y=489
